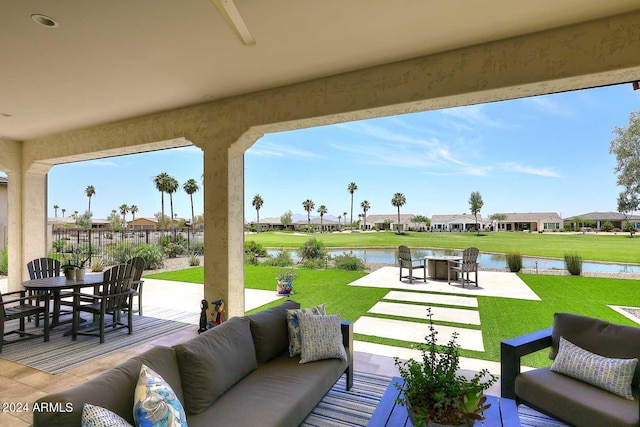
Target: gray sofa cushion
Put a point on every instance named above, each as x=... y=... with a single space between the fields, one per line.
x=574 y=401
x=597 y=336
x=270 y=331
x=112 y=390
x=214 y=361
x=280 y=393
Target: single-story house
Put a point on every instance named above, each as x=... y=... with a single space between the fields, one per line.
x=390 y=222
x=597 y=219
x=461 y=222
x=532 y=221
x=143 y=224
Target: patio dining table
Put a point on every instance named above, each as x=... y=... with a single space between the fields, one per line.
x=54 y=285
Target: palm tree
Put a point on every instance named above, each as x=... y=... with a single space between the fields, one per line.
x=257 y=203
x=124 y=208
x=365 y=207
x=352 y=187
x=190 y=187
x=63 y=211
x=160 y=182
x=398 y=201
x=90 y=192
x=55 y=209
x=133 y=209
x=172 y=186
x=322 y=210
x=308 y=206
x=339 y=218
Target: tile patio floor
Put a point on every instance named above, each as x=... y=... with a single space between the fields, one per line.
x=19 y=383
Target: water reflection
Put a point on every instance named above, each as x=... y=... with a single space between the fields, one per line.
x=498 y=261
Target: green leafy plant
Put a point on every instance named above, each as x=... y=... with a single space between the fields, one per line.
x=607 y=226
x=4 y=262
x=121 y=252
x=254 y=248
x=194 y=261
x=172 y=250
x=348 y=261
x=514 y=261
x=315 y=264
x=151 y=254
x=312 y=249
x=573 y=263
x=250 y=258
x=97 y=265
x=434 y=391
x=286 y=275
x=282 y=259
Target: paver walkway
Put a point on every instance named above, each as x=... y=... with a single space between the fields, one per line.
x=442 y=314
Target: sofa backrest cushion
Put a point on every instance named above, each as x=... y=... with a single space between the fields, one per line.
x=270 y=331
x=214 y=361
x=597 y=336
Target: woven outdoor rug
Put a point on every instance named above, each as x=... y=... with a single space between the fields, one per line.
x=61 y=353
x=354 y=408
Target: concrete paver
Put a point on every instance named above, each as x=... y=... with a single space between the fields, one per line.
x=459 y=301
x=443 y=314
x=470 y=339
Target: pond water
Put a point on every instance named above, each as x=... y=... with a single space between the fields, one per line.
x=389 y=256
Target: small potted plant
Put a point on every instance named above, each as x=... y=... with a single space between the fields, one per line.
x=285 y=280
x=433 y=391
x=74 y=269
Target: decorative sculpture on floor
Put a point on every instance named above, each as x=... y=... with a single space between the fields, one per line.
x=217 y=316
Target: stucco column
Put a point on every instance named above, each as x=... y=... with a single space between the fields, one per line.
x=224 y=227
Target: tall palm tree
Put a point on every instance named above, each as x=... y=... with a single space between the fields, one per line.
x=339 y=218
x=90 y=191
x=308 y=206
x=63 y=211
x=133 y=209
x=352 y=187
x=257 y=203
x=55 y=210
x=322 y=210
x=365 y=207
x=190 y=187
x=124 y=208
x=172 y=186
x=160 y=182
x=398 y=201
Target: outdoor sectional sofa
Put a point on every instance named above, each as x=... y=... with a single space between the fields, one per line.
x=571 y=400
x=239 y=373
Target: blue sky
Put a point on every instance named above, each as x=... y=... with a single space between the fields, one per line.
x=541 y=154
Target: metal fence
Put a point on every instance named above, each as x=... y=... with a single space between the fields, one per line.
x=107 y=245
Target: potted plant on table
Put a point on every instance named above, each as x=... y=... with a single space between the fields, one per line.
x=285 y=280
x=433 y=391
x=74 y=268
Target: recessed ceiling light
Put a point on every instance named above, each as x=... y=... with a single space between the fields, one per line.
x=5 y=115
x=44 y=20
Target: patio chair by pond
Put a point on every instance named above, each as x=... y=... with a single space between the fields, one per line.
x=17 y=305
x=405 y=261
x=468 y=264
x=113 y=296
x=139 y=264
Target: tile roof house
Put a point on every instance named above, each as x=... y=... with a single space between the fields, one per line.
x=390 y=222
x=531 y=221
x=597 y=219
x=458 y=222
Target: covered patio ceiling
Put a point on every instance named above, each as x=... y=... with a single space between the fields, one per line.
x=109 y=61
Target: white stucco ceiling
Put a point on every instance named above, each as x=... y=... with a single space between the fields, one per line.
x=111 y=60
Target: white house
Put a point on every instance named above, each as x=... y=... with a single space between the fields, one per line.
x=461 y=222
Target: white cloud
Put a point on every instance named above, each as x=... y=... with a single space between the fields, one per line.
x=101 y=163
x=545 y=104
x=473 y=114
x=270 y=149
x=387 y=135
x=519 y=168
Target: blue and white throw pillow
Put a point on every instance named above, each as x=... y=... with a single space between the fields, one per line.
x=613 y=375
x=96 y=416
x=294 y=326
x=321 y=338
x=156 y=404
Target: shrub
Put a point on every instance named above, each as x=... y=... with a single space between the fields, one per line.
x=151 y=254
x=348 y=261
x=315 y=264
x=121 y=252
x=172 y=250
x=198 y=247
x=312 y=249
x=4 y=262
x=607 y=226
x=59 y=245
x=282 y=259
x=194 y=261
x=573 y=263
x=250 y=258
x=97 y=265
x=255 y=248
x=514 y=261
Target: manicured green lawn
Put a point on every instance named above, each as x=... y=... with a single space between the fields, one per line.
x=501 y=318
x=613 y=248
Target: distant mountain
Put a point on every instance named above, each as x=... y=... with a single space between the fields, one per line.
x=303 y=217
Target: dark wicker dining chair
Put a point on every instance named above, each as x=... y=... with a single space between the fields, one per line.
x=111 y=297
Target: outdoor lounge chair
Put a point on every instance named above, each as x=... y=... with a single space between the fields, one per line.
x=405 y=261
x=468 y=264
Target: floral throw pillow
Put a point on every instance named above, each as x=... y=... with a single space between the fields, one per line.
x=613 y=375
x=321 y=338
x=96 y=416
x=155 y=403
x=294 y=326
